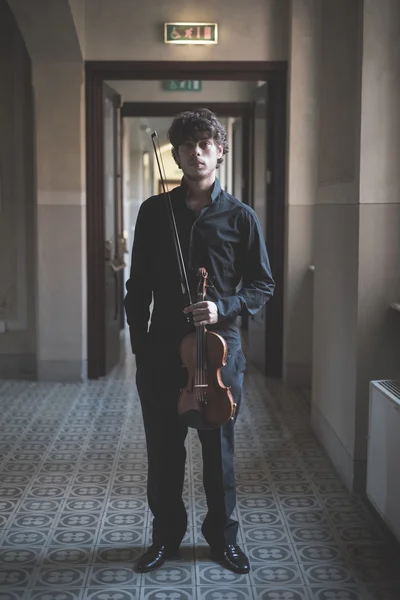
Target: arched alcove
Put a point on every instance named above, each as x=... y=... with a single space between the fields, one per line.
x=50 y=29
x=43 y=110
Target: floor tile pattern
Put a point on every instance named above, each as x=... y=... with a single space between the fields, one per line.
x=74 y=518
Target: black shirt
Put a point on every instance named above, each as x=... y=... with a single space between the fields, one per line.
x=226 y=239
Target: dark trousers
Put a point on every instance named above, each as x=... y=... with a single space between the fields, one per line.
x=159 y=379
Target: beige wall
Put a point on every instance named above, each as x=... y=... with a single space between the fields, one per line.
x=379 y=241
x=336 y=233
x=380 y=139
x=59 y=93
x=78 y=11
x=17 y=205
x=301 y=191
x=133 y=30
x=50 y=34
x=357 y=224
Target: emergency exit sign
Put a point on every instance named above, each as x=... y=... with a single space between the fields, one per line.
x=190 y=33
x=182 y=85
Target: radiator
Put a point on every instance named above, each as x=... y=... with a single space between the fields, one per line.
x=383 y=466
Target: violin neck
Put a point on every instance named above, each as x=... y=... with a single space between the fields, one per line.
x=201 y=358
x=201 y=340
x=201 y=333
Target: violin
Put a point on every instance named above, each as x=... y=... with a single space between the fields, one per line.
x=205 y=403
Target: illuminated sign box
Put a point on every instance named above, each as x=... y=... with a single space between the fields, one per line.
x=190 y=33
x=182 y=85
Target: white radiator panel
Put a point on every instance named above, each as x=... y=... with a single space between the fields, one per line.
x=383 y=467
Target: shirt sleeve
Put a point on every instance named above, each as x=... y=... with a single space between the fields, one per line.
x=139 y=285
x=257 y=282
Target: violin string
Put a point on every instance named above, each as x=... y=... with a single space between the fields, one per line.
x=203 y=335
x=201 y=356
x=203 y=342
x=197 y=359
x=200 y=352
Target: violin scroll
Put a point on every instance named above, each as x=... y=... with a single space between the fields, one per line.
x=202 y=285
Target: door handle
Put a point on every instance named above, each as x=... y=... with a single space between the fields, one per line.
x=107 y=250
x=122 y=245
x=116 y=265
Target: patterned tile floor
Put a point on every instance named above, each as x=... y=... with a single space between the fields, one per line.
x=73 y=514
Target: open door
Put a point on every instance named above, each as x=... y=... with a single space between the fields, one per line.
x=265 y=329
x=114 y=244
x=256 y=323
x=275 y=228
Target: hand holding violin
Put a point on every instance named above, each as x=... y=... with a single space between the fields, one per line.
x=204 y=313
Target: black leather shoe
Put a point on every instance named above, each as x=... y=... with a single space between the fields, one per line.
x=155 y=556
x=233 y=558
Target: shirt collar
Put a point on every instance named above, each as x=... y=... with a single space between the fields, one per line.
x=215 y=191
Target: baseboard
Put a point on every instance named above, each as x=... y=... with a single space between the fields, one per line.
x=18 y=366
x=62 y=370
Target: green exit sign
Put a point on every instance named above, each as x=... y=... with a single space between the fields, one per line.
x=182 y=85
x=190 y=33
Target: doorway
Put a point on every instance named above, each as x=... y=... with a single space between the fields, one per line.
x=97 y=73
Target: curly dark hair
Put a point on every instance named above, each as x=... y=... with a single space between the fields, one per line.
x=195 y=125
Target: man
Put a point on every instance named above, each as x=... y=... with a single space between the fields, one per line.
x=223 y=235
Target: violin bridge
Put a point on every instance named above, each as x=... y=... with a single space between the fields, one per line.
x=201 y=386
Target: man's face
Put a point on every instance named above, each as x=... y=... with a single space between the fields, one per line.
x=198 y=159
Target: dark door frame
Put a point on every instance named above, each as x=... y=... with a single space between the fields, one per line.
x=97 y=73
